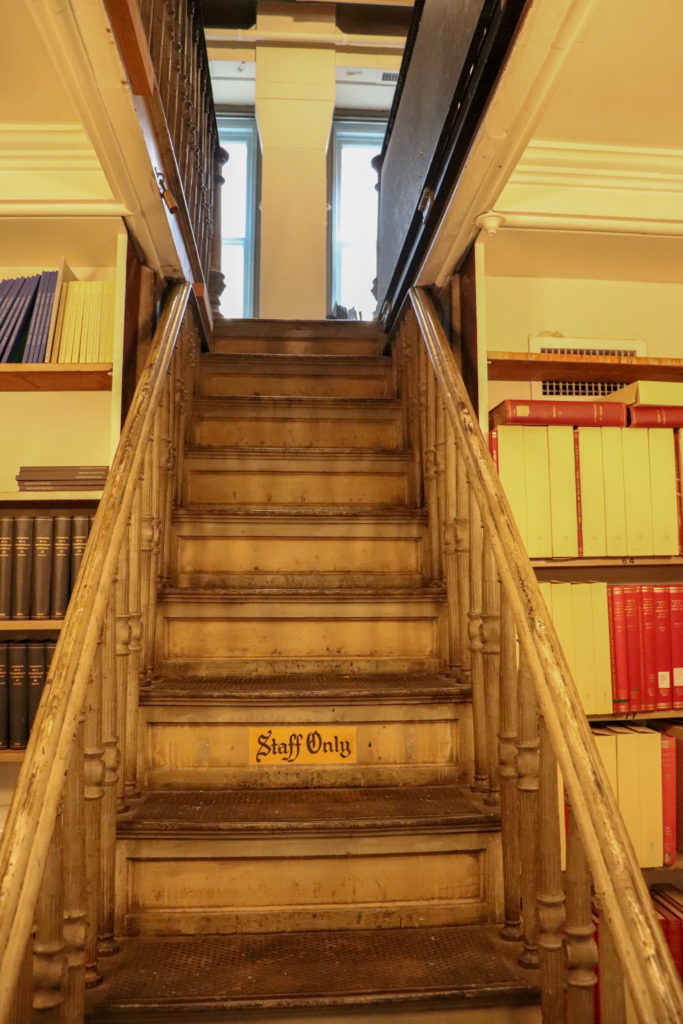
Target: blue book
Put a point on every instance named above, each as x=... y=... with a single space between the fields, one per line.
x=7 y=301
x=36 y=341
x=12 y=342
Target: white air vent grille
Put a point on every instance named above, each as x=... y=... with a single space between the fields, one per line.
x=580 y=347
x=389 y=76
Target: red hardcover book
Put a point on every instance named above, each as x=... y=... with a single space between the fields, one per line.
x=547 y=412
x=669 y=797
x=617 y=644
x=579 y=508
x=493 y=448
x=634 y=648
x=671 y=910
x=679 y=500
x=649 y=640
x=663 y=647
x=676 y=596
x=655 y=416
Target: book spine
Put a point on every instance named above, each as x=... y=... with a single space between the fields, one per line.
x=4 y=697
x=656 y=416
x=676 y=598
x=579 y=507
x=581 y=414
x=61 y=567
x=663 y=647
x=649 y=633
x=41 y=568
x=35 y=659
x=679 y=500
x=634 y=647
x=669 y=798
x=6 y=536
x=21 y=567
x=18 y=700
x=620 y=691
x=79 y=538
x=493 y=447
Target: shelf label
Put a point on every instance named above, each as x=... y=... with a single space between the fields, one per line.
x=302 y=744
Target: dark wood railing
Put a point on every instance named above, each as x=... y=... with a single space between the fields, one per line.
x=528 y=718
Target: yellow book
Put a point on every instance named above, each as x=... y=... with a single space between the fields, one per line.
x=603 y=667
x=512 y=472
x=66 y=342
x=547 y=595
x=59 y=326
x=628 y=783
x=78 y=354
x=584 y=645
x=615 y=501
x=650 y=783
x=637 y=493
x=537 y=470
x=563 y=620
x=592 y=492
x=563 y=523
x=106 y=346
x=648 y=392
x=64 y=274
x=661 y=443
x=606 y=742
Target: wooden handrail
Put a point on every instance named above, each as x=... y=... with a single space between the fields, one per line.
x=34 y=812
x=618 y=882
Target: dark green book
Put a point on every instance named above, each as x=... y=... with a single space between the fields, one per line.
x=35 y=661
x=18 y=698
x=6 y=535
x=4 y=698
x=22 y=550
x=79 y=538
x=61 y=567
x=41 y=567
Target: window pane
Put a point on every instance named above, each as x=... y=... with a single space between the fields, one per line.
x=232 y=265
x=357 y=195
x=358 y=268
x=234 y=194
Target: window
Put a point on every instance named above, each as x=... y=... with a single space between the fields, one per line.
x=354 y=214
x=238 y=136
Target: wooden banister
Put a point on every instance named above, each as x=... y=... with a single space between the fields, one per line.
x=549 y=705
x=83 y=719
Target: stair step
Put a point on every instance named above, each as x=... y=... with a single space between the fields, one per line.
x=242 y=477
x=414 y=970
x=326 y=376
x=301 y=337
x=312 y=551
x=249 y=632
x=344 y=810
x=298 y=422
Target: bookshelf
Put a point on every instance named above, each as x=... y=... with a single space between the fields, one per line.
x=532 y=366
x=56 y=377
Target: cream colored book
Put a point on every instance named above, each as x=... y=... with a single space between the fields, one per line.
x=637 y=491
x=603 y=667
x=512 y=472
x=584 y=645
x=67 y=334
x=661 y=444
x=64 y=275
x=628 y=783
x=106 y=347
x=563 y=523
x=78 y=351
x=537 y=470
x=547 y=595
x=606 y=742
x=563 y=620
x=650 y=784
x=592 y=492
x=59 y=326
x=615 y=499
x=648 y=392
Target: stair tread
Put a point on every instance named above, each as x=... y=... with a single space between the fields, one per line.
x=464 y=965
x=276 y=328
x=299 y=360
x=289 y=454
x=378 y=514
x=316 y=401
x=434 y=592
x=171 y=813
x=302 y=688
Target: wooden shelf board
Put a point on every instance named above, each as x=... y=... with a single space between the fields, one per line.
x=49 y=496
x=638 y=716
x=56 y=377
x=528 y=366
x=606 y=563
x=11 y=755
x=672 y=873
x=30 y=625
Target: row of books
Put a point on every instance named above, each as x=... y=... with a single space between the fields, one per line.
x=23 y=669
x=623 y=644
x=591 y=491
x=62 y=478
x=39 y=561
x=51 y=317
x=543 y=412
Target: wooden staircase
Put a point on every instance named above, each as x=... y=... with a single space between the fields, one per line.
x=360 y=878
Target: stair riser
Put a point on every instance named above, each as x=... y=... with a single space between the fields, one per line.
x=257 y=381
x=297 y=346
x=295 y=431
x=218 y=886
x=272 y=555
x=202 y=746
x=213 y=638
x=249 y=483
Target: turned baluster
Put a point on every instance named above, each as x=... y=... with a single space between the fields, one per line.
x=157 y=27
x=49 y=959
x=549 y=892
x=461 y=534
x=151 y=487
x=481 y=753
x=183 y=423
x=147 y=531
x=507 y=772
x=106 y=944
x=457 y=638
x=490 y=649
x=168 y=57
x=439 y=469
x=415 y=344
x=21 y=1009
x=582 y=953
x=612 y=994
x=429 y=401
x=123 y=635
x=174 y=117
x=402 y=345
x=130 y=788
x=527 y=792
x=75 y=918
x=168 y=463
x=93 y=776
